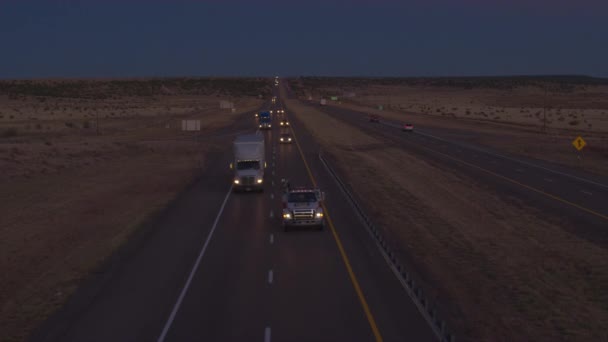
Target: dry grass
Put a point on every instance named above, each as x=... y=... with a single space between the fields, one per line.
x=71 y=197
x=555 y=147
x=502 y=273
x=505 y=114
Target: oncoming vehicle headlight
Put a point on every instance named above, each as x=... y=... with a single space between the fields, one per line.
x=319 y=215
x=281 y=139
x=260 y=126
x=289 y=139
x=260 y=181
x=236 y=181
x=286 y=215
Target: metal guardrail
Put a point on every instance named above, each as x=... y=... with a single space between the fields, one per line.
x=414 y=290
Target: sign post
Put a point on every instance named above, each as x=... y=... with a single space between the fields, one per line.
x=579 y=143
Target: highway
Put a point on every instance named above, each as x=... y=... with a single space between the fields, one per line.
x=573 y=199
x=216 y=266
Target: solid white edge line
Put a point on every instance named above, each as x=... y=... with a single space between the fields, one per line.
x=466 y=146
x=387 y=259
x=267 y=333
x=271 y=238
x=519 y=161
x=178 y=303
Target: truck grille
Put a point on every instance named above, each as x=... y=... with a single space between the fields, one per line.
x=249 y=180
x=303 y=214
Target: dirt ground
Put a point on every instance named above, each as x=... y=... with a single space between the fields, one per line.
x=499 y=271
x=71 y=196
x=508 y=120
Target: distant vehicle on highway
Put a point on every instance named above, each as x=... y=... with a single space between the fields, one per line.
x=323 y=102
x=249 y=162
x=281 y=111
x=285 y=138
x=408 y=127
x=257 y=115
x=265 y=121
x=374 y=118
x=302 y=208
x=284 y=123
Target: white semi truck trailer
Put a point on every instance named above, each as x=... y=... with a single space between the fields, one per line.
x=249 y=162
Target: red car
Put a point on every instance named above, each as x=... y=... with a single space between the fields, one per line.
x=374 y=118
x=407 y=127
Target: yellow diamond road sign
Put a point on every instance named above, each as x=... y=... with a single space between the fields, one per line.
x=579 y=143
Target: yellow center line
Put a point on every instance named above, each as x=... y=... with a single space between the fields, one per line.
x=349 y=269
x=557 y=198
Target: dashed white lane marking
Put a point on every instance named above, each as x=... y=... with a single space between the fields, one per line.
x=515 y=160
x=267 y=334
x=271 y=238
x=270 y=276
x=178 y=303
x=586 y=192
x=271 y=196
x=548 y=180
x=272 y=183
x=273 y=172
x=271 y=214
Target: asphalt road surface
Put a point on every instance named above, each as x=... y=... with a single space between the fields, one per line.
x=216 y=266
x=573 y=199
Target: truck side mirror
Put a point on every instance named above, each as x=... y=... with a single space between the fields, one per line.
x=231 y=166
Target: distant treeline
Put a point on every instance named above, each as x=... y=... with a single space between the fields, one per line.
x=563 y=82
x=102 y=89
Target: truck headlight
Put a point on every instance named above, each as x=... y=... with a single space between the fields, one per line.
x=260 y=181
x=281 y=139
x=236 y=181
x=260 y=126
x=319 y=215
x=286 y=215
x=289 y=139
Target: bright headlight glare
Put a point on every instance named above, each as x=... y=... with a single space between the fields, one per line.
x=281 y=139
x=286 y=215
x=319 y=215
x=260 y=181
x=236 y=181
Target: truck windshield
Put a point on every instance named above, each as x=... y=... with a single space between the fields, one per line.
x=302 y=197
x=248 y=165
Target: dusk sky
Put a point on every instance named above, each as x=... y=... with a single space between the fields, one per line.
x=112 y=38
